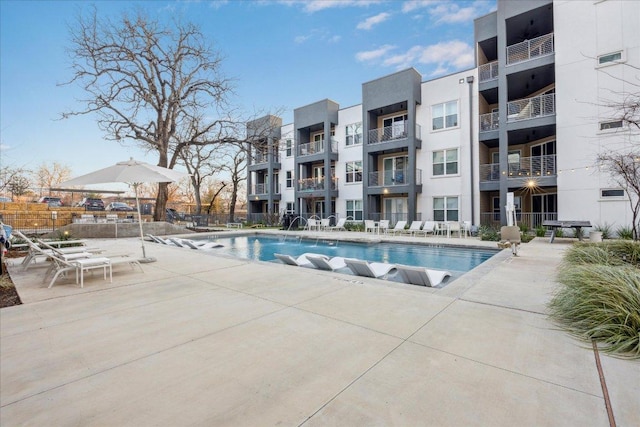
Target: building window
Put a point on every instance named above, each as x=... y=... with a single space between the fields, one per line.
x=445 y=162
x=354 y=209
x=289 y=182
x=445 y=115
x=615 y=124
x=289 y=147
x=291 y=208
x=354 y=134
x=354 y=171
x=612 y=193
x=610 y=58
x=445 y=209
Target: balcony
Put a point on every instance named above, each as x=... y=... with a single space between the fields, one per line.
x=391 y=178
x=264 y=189
x=487 y=72
x=489 y=122
x=316 y=147
x=259 y=158
x=537 y=166
x=530 y=49
x=530 y=108
x=392 y=133
x=315 y=184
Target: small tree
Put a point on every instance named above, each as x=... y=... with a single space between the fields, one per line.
x=47 y=176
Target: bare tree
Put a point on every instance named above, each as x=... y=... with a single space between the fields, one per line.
x=47 y=176
x=146 y=82
x=13 y=179
x=235 y=163
x=200 y=163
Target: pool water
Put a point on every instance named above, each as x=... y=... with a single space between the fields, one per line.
x=456 y=260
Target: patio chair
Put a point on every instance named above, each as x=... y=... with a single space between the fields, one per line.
x=376 y=270
x=455 y=227
x=383 y=226
x=399 y=227
x=300 y=261
x=324 y=224
x=321 y=262
x=339 y=225
x=312 y=224
x=421 y=276
x=427 y=228
x=510 y=237
x=415 y=227
x=370 y=225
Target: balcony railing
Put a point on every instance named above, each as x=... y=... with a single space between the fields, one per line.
x=315 y=184
x=530 y=49
x=488 y=71
x=392 y=133
x=259 y=158
x=264 y=189
x=391 y=178
x=315 y=147
x=530 y=108
x=536 y=166
x=489 y=122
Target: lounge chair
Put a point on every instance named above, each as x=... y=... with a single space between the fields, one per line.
x=421 y=276
x=339 y=225
x=36 y=251
x=61 y=266
x=428 y=228
x=370 y=269
x=176 y=242
x=370 y=225
x=321 y=262
x=301 y=261
x=200 y=245
x=415 y=227
x=324 y=224
x=312 y=224
x=383 y=226
x=399 y=227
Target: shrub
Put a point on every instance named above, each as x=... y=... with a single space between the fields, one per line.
x=559 y=232
x=625 y=233
x=488 y=233
x=524 y=228
x=541 y=231
x=605 y=229
x=601 y=303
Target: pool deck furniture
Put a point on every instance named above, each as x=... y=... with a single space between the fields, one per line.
x=376 y=270
x=421 y=276
x=554 y=225
x=321 y=262
x=415 y=227
x=339 y=225
x=510 y=237
x=399 y=227
x=200 y=245
x=300 y=261
x=372 y=226
x=234 y=225
x=427 y=229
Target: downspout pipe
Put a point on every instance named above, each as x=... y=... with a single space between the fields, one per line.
x=470 y=82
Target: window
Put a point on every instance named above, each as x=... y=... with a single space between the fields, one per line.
x=395 y=127
x=291 y=209
x=445 y=115
x=616 y=124
x=610 y=58
x=354 y=134
x=354 y=171
x=445 y=209
x=289 y=182
x=445 y=162
x=354 y=209
x=610 y=193
x=289 y=147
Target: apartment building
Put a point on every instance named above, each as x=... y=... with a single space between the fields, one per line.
x=530 y=120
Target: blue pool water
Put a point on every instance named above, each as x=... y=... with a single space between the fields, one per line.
x=262 y=248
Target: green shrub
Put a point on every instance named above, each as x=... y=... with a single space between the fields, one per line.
x=541 y=231
x=488 y=233
x=354 y=226
x=613 y=252
x=625 y=233
x=605 y=229
x=601 y=303
x=524 y=228
x=559 y=232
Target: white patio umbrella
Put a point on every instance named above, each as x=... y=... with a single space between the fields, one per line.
x=134 y=173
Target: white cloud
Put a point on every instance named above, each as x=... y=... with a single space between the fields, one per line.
x=372 y=55
x=368 y=23
x=445 y=56
x=450 y=12
x=301 y=39
x=312 y=6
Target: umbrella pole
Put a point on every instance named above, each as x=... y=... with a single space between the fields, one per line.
x=144 y=254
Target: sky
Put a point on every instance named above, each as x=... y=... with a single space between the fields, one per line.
x=281 y=55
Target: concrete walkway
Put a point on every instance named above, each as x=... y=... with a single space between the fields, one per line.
x=202 y=339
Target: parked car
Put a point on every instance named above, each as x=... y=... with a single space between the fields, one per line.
x=91 y=204
x=119 y=206
x=5 y=199
x=53 y=202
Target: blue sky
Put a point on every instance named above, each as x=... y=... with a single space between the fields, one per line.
x=281 y=54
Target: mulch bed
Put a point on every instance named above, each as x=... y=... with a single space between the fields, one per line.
x=8 y=294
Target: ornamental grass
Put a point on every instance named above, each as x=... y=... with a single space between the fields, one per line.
x=599 y=298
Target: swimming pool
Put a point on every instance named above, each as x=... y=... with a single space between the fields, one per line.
x=456 y=260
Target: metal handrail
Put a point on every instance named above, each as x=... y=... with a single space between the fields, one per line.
x=487 y=72
x=530 y=49
x=529 y=108
x=489 y=121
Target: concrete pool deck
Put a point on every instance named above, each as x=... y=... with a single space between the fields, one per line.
x=202 y=339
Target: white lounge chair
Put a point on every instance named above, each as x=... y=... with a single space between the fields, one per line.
x=415 y=227
x=312 y=224
x=383 y=226
x=428 y=228
x=61 y=266
x=399 y=227
x=370 y=225
x=300 y=261
x=200 y=245
x=421 y=276
x=324 y=224
x=323 y=263
x=370 y=269
x=339 y=225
